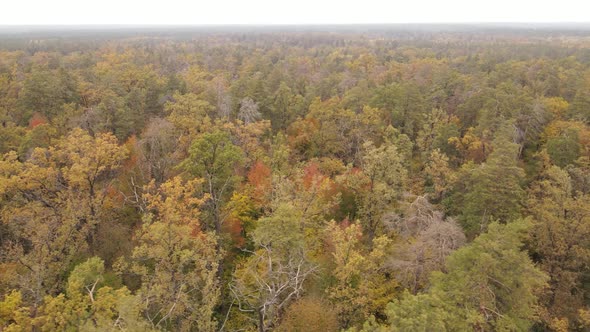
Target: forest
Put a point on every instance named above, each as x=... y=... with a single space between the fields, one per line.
x=352 y=179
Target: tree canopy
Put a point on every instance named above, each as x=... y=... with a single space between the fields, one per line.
x=282 y=179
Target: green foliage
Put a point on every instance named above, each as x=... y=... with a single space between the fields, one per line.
x=283 y=230
x=187 y=182
x=379 y=186
x=423 y=312
x=564 y=150
x=91 y=306
x=405 y=105
x=493 y=190
x=490 y=285
x=559 y=242
x=46 y=92
x=214 y=158
x=272 y=277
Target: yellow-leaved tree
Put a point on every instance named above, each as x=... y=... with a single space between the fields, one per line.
x=176 y=259
x=53 y=204
x=361 y=284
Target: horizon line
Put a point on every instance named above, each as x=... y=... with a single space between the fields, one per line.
x=296 y=24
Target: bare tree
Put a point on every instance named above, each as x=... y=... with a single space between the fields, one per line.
x=155 y=160
x=223 y=98
x=266 y=284
x=429 y=239
x=156 y=147
x=248 y=112
x=418 y=216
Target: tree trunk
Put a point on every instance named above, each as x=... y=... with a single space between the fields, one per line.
x=260 y=321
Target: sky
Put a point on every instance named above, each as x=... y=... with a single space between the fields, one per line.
x=269 y=12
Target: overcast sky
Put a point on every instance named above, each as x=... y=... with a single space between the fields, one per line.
x=289 y=11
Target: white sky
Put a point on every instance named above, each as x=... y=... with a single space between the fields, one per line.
x=289 y=11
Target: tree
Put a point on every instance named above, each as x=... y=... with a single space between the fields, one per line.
x=361 y=284
x=248 y=112
x=273 y=276
x=405 y=105
x=156 y=148
x=495 y=191
x=427 y=239
x=285 y=107
x=90 y=305
x=420 y=312
x=11 y=135
x=176 y=259
x=260 y=178
x=580 y=105
x=189 y=114
x=54 y=203
x=472 y=146
x=309 y=315
x=14 y=316
x=223 y=100
x=196 y=79
x=490 y=285
x=439 y=174
x=559 y=243
x=46 y=92
x=327 y=130
x=213 y=157
x=379 y=185
x=111 y=114
x=436 y=131
x=40 y=136
x=565 y=149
